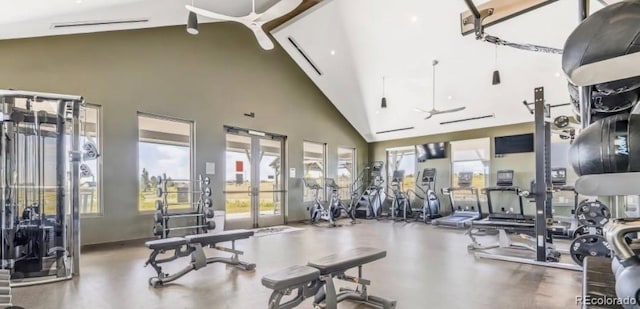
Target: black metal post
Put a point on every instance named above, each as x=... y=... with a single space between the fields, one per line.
x=541 y=184
x=584 y=91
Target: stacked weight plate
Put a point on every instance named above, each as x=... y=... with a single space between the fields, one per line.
x=5 y=288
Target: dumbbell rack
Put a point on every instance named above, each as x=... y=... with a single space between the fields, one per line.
x=203 y=212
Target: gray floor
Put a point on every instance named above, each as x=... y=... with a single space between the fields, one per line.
x=425 y=267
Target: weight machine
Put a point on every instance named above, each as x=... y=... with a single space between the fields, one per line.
x=40 y=176
x=368 y=204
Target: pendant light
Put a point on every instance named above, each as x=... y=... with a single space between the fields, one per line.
x=383 y=103
x=496 y=73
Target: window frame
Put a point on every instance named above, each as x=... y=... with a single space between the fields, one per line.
x=323 y=191
x=354 y=171
x=389 y=172
x=192 y=157
x=486 y=163
x=99 y=164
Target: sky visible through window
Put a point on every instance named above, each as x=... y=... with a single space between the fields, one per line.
x=161 y=158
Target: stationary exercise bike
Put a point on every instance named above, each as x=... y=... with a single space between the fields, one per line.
x=336 y=207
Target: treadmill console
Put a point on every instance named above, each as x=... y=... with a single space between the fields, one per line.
x=428 y=175
x=398 y=175
x=505 y=178
x=464 y=179
x=376 y=169
x=559 y=176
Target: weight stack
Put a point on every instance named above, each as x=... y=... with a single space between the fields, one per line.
x=608 y=145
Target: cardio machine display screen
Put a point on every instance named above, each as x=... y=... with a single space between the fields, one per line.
x=464 y=179
x=505 y=178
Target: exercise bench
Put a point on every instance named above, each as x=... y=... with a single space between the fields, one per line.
x=193 y=245
x=316 y=279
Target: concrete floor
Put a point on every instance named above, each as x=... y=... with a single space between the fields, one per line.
x=425 y=267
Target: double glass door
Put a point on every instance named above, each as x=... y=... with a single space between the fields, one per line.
x=254 y=183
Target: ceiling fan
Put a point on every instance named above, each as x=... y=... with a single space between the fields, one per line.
x=434 y=111
x=254 y=21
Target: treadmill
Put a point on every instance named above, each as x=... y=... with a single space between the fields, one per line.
x=461 y=216
x=505 y=185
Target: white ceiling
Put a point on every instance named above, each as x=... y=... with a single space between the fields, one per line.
x=371 y=39
x=30 y=18
x=375 y=38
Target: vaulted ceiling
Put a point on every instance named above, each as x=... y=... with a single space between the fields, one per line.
x=354 y=43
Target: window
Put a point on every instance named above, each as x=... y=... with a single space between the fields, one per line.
x=471 y=156
x=90 y=182
x=346 y=170
x=402 y=159
x=314 y=167
x=164 y=148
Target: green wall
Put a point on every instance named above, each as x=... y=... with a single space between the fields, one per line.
x=212 y=79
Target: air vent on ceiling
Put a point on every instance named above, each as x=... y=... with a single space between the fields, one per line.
x=304 y=55
x=394 y=130
x=98 y=23
x=468 y=119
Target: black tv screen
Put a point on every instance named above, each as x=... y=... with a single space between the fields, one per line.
x=514 y=144
x=432 y=151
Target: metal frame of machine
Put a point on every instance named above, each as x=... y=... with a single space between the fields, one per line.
x=39 y=247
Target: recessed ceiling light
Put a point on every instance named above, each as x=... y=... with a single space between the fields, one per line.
x=333 y=52
x=557 y=74
x=450 y=98
x=377 y=112
x=78 y=1
x=414 y=19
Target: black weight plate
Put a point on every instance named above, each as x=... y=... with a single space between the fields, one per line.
x=584 y=230
x=589 y=245
x=592 y=213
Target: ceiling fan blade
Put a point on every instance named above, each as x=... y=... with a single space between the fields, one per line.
x=212 y=15
x=263 y=39
x=277 y=10
x=419 y=110
x=453 y=110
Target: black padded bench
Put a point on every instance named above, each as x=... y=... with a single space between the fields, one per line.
x=192 y=246
x=316 y=279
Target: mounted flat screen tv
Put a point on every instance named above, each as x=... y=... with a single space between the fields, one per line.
x=432 y=151
x=514 y=144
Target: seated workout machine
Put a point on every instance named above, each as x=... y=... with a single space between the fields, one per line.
x=316 y=279
x=193 y=246
x=461 y=216
x=505 y=184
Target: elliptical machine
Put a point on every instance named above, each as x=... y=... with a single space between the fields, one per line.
x=401 y=204
x=431 y=203
x=317 y=211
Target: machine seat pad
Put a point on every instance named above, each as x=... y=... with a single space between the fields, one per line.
x=346 y=260
x=212 y=239
x=290 y=277
x=166 y=244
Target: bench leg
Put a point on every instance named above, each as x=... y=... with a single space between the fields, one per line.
x=360 y=293
x=234 y=260
x=303 y=292
x=197 y=261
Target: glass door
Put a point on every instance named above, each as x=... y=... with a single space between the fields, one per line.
x=254 y=179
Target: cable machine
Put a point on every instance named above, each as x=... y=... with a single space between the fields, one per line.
x=40 y=177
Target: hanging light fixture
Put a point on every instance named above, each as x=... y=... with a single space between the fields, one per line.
x=192 y=22
x=383 y=103
x=496 y=73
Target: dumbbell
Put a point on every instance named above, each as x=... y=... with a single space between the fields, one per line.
x=628 y=273
x=209 y=213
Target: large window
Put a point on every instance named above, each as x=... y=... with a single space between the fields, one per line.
x=471 y=156
x=402 y=159
x=314 y=167
x=346 y=170
x=164 y=148
x=91 y=182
